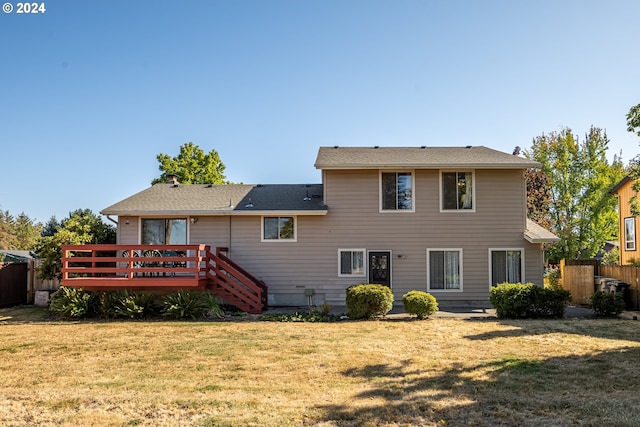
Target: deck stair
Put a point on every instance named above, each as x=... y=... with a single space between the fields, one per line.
x=234 y=284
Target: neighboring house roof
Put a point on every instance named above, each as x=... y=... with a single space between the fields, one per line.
x=537 y=234
x=207 y=199
x=17 y=256
x=419 y=157
x=618 y=186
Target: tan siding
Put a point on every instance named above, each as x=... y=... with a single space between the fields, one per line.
x=128 y=233
x=354 y=221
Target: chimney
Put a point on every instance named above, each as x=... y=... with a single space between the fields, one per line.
x=172 y=179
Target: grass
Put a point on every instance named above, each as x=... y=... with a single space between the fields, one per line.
x=377 y=373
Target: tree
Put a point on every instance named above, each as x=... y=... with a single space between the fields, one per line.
x=26 y=231
x=538 y=195
x=18 y=233
x=7 y=237
x=539 y=198
x=633 y=125
x=81 y=227
x=192 y=166
x=582 y=211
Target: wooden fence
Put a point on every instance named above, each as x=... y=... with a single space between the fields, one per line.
x=13 y=283
x=578 y=276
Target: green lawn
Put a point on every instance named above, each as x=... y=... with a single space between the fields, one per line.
x=440 y=371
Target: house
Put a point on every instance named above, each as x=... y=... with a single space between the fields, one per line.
x=450 y=221
x=628 y=224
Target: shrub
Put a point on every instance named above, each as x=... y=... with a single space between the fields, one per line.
x=73 y=302
x=552 y=278
x=366 y=301
x=607 y=304
x=193 y=304
x=420 y=303
x=517 y=300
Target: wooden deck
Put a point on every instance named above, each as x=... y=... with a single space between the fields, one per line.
x=162 y=268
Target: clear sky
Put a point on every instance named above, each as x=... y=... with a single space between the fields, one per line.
x=92 y=91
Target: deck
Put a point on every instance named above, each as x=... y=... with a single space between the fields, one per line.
x=162 y=268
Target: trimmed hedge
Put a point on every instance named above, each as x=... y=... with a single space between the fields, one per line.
x=517 y=300
x=420 y=303
x=366 y=301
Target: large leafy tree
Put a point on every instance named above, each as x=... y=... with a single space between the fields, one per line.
x=81 y=227
x=582 y=210
x=192 y=166
x=633 y=125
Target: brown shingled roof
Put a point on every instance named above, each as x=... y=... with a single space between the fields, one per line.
x=419 y=157
x=163 y=199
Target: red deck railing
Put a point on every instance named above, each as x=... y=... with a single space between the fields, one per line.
x=162 y=267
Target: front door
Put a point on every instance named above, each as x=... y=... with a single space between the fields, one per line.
x=380 y=268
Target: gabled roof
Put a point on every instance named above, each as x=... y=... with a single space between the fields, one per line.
x=230 y=199
x=11 y=255
x=419 y=158
x=619 y=185
x=536 y=234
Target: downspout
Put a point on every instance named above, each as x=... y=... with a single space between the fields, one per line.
x=229 y=245
x=112 y=220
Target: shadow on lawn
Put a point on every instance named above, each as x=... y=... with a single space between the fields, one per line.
x=610 y=328
x=598 y=389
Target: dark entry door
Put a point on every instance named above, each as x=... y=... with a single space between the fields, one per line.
x=380 y=268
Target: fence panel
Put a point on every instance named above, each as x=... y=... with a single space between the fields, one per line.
x=13 y=283
x=627 y=274
x=578 y=279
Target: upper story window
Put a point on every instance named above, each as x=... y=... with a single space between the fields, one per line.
x=164 y=231
x=457 y=190
x=278 y=228
x=396 y=191
x=630 y=234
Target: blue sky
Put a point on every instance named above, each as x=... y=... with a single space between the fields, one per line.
x=92 y=91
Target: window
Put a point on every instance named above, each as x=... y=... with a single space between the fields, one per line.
x=630 y=234
x=164 y=231
x=278 y=228
x=506 y=266
x=444 y=268
x=396 y=191
x=457 y=191
x=351 y=262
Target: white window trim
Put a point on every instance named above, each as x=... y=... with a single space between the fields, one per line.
x=364 y=262
x=413 y=191
x=473 y=190
x=632 y=220
x=459 y=250
x=522 y=263
x=278 y=240
x=141 y=219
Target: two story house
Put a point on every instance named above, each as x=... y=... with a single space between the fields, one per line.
x=629 y=251
x=450 y=221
